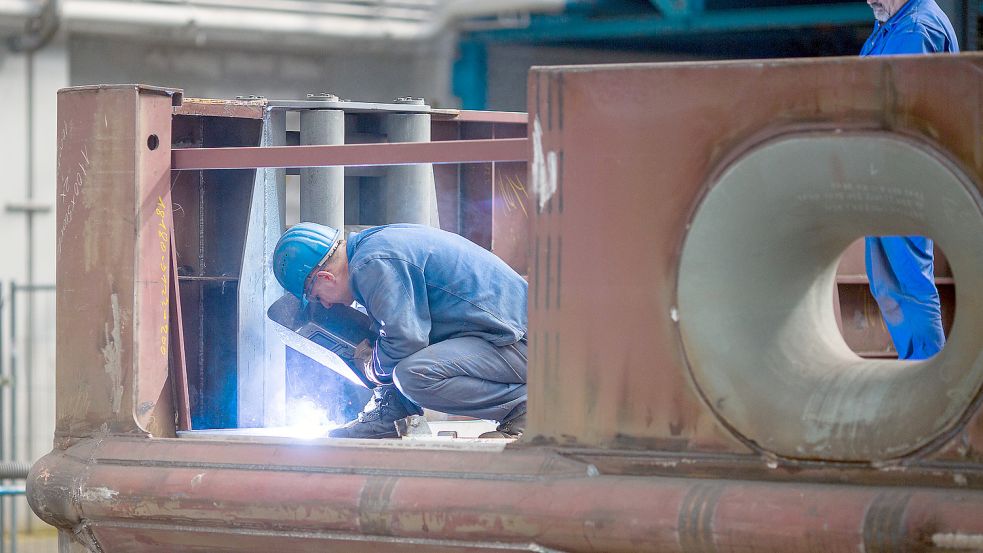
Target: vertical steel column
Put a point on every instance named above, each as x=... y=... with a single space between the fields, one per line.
x=409 y=192
x=261 y=354
x=322 y=189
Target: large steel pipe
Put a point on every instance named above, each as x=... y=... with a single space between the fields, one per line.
x=322 y=189
x=757 y=273
x=172 y=495
x=409 y=192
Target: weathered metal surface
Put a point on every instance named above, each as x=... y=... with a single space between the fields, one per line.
x=406 y=153
x=175 y=495
x=610 y=223
x=632 y=458
x=478 y=116
x=113 y=260
x=207 y=107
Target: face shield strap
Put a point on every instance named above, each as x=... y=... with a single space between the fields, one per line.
x=309 y=281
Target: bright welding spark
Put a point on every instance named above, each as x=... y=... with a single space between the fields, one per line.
x=307 y=421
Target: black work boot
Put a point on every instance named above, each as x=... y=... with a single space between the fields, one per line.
x=510 y=429
x=378 y=420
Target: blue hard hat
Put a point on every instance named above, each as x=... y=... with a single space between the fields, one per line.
x=298 y=252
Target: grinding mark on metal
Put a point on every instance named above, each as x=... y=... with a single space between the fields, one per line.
x=559 y=101
x=373 y=506
x=425 y=544
x=556 y=354
x=536 y=284
x=559 y=268
x=883 y=529
x=549 y=269
x=549 y=103
x=696 y=514
x=544 y=168
x=111 y=353
x=546 y=353
x=559 y=182
x=98 y=494
x=956 y=540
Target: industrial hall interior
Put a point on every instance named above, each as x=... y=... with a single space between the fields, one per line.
x=615 y=276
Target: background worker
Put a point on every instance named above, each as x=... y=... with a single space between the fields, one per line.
x=901 y=268
x=450 y=315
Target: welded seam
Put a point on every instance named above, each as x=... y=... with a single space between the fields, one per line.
x=344 y=471
x=883 y=528
x=373 y=505
x=695 y=523
x=338 y=536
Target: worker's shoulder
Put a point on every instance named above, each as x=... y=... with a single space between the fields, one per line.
x=926 y=18
x=408 y=237
x=399 y=243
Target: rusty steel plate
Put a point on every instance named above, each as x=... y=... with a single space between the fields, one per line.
x=622 y=157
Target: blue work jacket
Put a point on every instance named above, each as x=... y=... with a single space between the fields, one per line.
x=919 y=27
x=901 y=268
x=422 y=285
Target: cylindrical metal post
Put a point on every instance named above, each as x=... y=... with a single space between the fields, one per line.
x=409 y=193
x=322 y=189
x=12 y=529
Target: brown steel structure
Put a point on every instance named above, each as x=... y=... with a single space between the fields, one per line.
x=465 y=151
x=629 y=448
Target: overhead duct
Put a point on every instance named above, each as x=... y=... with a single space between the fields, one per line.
x=283 y=22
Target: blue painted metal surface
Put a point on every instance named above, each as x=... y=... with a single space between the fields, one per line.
x=11 y=490
x=470 y=76
x=678 y=8
x=573 y=28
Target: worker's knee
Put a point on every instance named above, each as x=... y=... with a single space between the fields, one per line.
x=412 y=380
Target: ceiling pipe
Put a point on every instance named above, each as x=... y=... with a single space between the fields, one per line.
x=219 y=22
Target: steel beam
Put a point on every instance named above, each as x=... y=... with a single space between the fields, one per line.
x=362 y=495
x=400 y=153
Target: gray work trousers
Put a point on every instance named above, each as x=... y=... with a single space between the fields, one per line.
x=467 y=376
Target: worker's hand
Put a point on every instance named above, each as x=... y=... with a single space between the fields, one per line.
x=363 y=358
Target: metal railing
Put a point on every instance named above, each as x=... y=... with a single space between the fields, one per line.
x=16 y=383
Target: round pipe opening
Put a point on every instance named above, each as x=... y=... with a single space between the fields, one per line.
x=757 y=273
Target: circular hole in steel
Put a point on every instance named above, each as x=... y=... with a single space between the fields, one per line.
x=756 y=277
x=153 y=142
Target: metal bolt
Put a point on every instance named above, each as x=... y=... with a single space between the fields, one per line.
x=250 y=97
x=409 y=100
x=323 y=97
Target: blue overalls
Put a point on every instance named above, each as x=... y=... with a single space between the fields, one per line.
x=451 y=318
x=901 y=268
